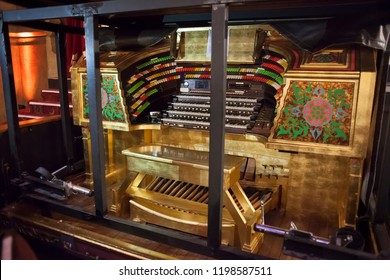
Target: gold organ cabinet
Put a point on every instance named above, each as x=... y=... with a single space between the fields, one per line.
x=297 y=128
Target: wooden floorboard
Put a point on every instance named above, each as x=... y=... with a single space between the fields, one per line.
x=272 y=246
x=114 y=243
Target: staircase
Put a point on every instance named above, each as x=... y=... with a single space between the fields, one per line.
x=47 y=105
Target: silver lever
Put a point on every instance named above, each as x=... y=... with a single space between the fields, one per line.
x=262 y=212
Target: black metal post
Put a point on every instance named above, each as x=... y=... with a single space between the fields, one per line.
x=382 y=182
x=217 y=123
x=10 y=96
x=64 y=101
x=95 y=113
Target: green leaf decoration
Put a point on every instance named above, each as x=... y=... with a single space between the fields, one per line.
x=344 y=104
x=340 y=134
x=297 y=131
x=339 y=92
x=326 y=136
x=297 y=92
x=283 y=131
x=334 y=129
x=298 y=101
x=305 y=127
x=286 y=110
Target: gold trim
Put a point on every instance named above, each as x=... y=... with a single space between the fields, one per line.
x=323 y=74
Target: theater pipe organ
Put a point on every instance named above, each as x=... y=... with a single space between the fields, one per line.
x=290 y=116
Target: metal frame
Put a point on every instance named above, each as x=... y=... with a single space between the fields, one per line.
x=95 y=104
x=64 y=100
x=90 y=13
x=380 y=199
x=10 y=95
x=217 y=123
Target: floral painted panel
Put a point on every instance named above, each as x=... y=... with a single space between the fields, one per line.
x=317 y=112
x=112 y=107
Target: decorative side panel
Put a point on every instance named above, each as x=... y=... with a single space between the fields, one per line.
x=114 y=112
x=316 y=113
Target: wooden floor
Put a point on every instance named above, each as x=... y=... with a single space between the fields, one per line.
x=128 y=244
x=272 y=245
x=86 y=238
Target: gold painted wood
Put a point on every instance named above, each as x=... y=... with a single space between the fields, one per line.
x=173 y=202
x=194 y=43
x=147 y=211
x=349 y=196
x=244 y=216
x=179 y=164
x=245 y=145
x=363 y=77
x=316 y=184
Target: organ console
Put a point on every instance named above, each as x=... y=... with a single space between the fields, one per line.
x=302 y=109
x=289 y=116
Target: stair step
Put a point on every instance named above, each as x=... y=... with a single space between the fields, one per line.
x=54 y=95
x=38 y=108
x=48 y=103
x=26 y=114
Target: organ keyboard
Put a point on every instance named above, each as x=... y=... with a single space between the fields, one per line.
x=242 y=114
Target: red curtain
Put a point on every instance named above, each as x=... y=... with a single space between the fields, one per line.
x=75 y=44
